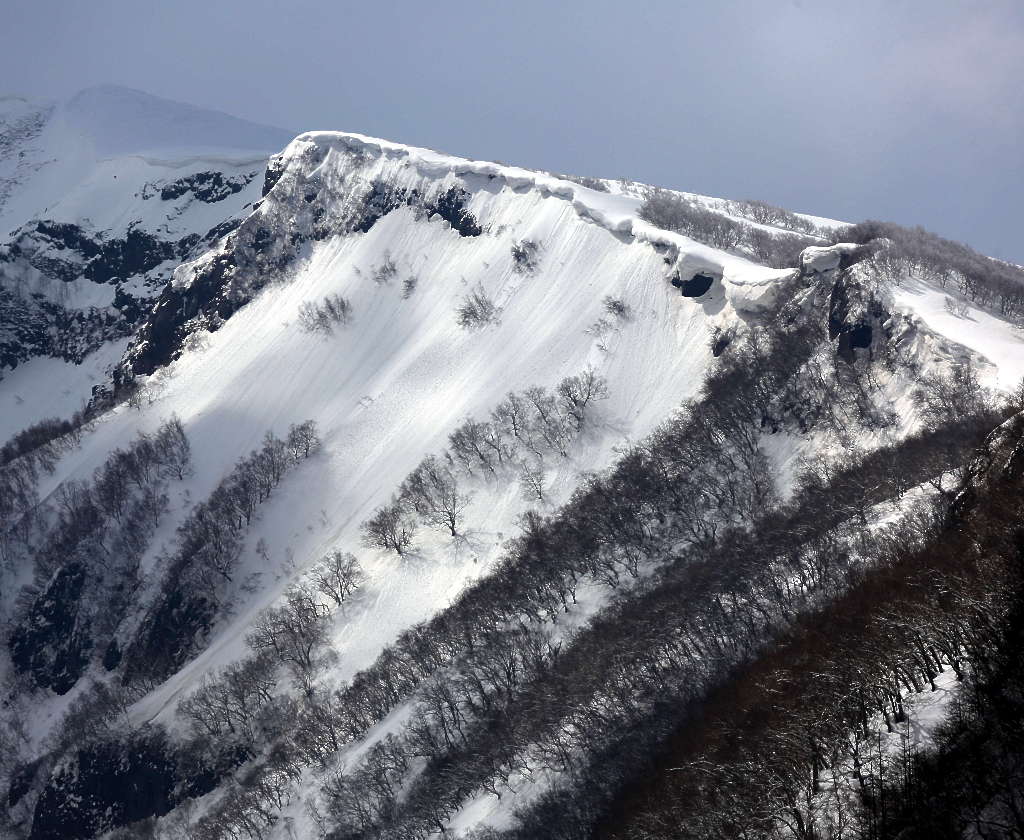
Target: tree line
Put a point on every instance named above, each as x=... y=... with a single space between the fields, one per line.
x=776 y=248
x=590 y=708
x=988 y=282
x=23 y=459
x=194 y=589
x=522 y=429
x=86 y=566
x=794 y=744
x=684 y=493
x=467 y=725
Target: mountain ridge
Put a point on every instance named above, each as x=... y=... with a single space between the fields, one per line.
x=529 y=403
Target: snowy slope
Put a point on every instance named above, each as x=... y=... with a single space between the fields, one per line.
x=389 y=386
x=100 y=197
x=52 y=149
x=394 y=383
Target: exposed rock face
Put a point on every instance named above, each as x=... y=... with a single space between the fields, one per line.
x=856 y=317
x=51 y=644
x=161 y=337
x=90 y=239
x=451 y=206
x=49 y=305
x=68 y=252
x=209 y=187
x=107 y=785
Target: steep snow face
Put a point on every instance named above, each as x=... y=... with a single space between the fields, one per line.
x=995 y=341
x=405 y=239
x=329 y=184
x=100 y=197
x=950 y=327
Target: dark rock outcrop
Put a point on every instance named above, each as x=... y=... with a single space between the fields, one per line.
x=106 y=785
x=451 y=206
x=50 y=643
x=209 y=187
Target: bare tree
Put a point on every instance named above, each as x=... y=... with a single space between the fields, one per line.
x=513 y=413
x=476 y=309
x=303 y=439
x=337 y=576
x=384 y=272
x=475 y=444
x=531 y=481
x=390 y=528
x=615 y=306
x=230 y=700
x=323 y=316
x=172 y=450
x=434 y=494
x=947 y=398
x=547 y=422
x=293 y=632
x=525 y=256
x=578 y=392
x=956 y=307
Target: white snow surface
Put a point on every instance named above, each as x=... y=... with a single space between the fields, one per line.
x=66 y=156
x=46 y=387
x=390 y=386
x=996 y=340
x=393 y=384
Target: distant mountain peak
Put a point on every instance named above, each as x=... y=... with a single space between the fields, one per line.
x=122 y=120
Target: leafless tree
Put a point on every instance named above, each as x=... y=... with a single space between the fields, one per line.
x=476 y=309
x=390 y=528
x=383 y=273
x=171 y=449
x=337 y=576
x=434 y=493
x=531 y=481
x=303 y=439
x=615 y=306
x=322 y=317
x=293 y=632
x=578 y=392
x=546 y=421
x=476 y=444
x=525 y=256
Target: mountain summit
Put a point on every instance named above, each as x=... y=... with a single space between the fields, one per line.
x=120 y=120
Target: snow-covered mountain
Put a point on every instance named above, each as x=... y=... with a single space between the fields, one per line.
x=388 y=294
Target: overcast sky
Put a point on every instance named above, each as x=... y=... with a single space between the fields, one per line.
x=909 y=110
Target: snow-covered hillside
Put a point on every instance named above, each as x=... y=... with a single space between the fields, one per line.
x=100 y=197
x=464 y=281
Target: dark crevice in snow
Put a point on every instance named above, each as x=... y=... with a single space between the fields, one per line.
x=696 y=286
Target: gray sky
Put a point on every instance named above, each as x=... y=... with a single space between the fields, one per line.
x=909 y=110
